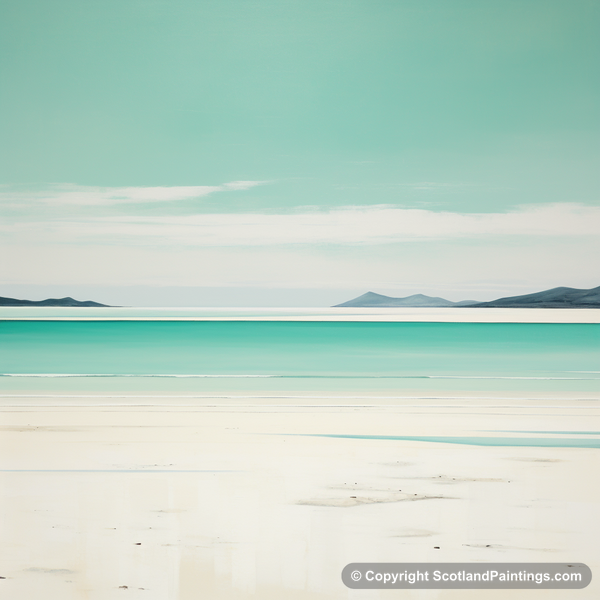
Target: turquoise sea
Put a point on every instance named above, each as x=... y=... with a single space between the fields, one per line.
x=246 y=357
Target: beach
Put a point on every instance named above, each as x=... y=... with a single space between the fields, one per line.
x=266 y=286
x=170 y=462
x=257 y=500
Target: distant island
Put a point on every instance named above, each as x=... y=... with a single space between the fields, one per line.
x=373 y=300
x=560 y=297
x=49 y=302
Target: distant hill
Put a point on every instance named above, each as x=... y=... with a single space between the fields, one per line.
x=50 y=302
x=560 y=297
x=370 y=299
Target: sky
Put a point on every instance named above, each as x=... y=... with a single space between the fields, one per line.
x=297 y=152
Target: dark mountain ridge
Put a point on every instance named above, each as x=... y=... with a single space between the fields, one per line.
x=560 y=297
x=49 y=302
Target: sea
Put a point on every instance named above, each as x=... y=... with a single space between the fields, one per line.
x=290 y=354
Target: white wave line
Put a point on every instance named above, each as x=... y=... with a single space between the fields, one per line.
x=303 y=397
x=505 y=377
x=108 y=375
x=299 y=376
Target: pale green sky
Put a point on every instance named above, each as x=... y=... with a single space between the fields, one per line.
x=444 y=147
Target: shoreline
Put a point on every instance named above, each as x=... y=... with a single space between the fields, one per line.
x=383 y=315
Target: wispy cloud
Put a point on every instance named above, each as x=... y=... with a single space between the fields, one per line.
x=351 y=225
x=81 y=195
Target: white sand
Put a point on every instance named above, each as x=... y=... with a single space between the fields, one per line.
x=226 y=502
x=427 y=315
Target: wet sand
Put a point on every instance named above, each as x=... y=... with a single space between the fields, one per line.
x=257 y=498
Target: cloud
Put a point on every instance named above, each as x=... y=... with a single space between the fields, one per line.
x=435 y=268
x=81 y=195
x=348 y=226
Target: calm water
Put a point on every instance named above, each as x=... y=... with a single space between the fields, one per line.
x=216 y=356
